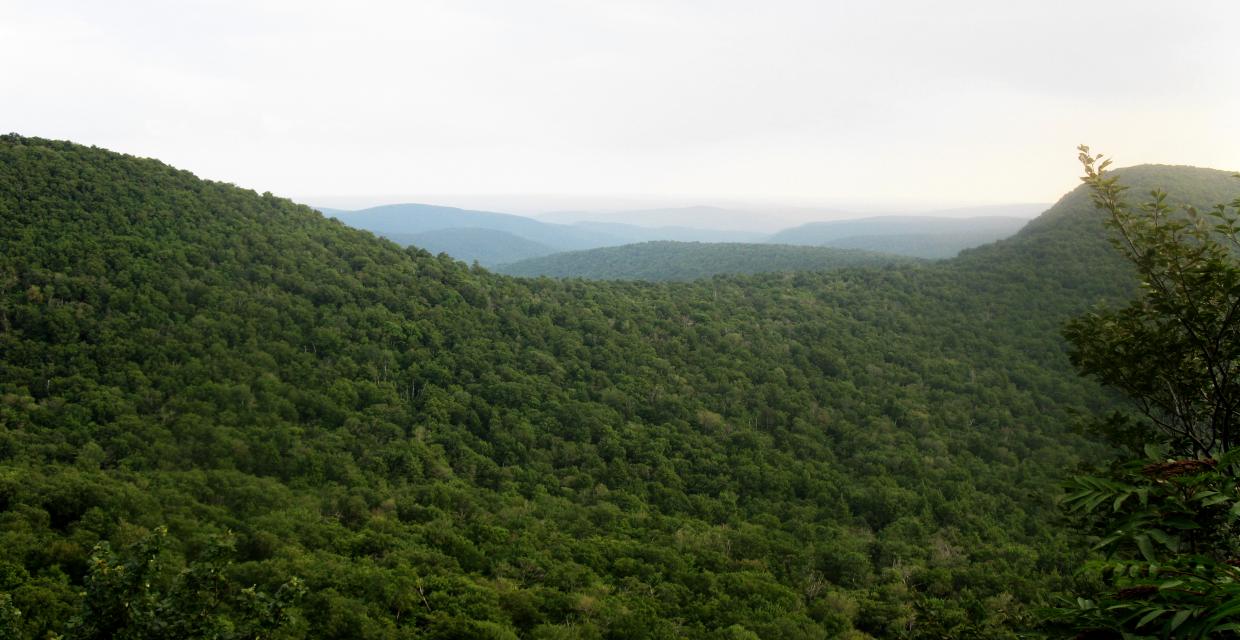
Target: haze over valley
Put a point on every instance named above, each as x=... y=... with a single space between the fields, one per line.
x=506 y=241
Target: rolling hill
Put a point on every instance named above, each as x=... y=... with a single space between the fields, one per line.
x=660 y=261
x=437 y=451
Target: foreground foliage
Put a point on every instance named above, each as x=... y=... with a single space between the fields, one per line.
x=1168 y=524
x=1169 y=529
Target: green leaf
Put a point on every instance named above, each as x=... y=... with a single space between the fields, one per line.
x=1096 y=500
x=1225 y=612
x=1179 y=618
x=1147 y=549
x=1213 y=500
x=1229 y=457
x=1180 y=522
x=1150 y=616
x=1171 y=542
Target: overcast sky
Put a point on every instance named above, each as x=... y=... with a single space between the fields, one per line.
x=712 y=101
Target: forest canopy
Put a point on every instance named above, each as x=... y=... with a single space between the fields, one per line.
x=427 y=449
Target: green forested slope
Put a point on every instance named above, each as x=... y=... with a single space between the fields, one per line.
x=663 y=261
x=442 y=452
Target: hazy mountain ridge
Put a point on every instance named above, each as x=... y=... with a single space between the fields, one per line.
x=408 y=219
x=493 y=238
x=924 y=237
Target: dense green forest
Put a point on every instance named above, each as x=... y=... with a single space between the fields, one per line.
x=246 y=400
x=661 y=261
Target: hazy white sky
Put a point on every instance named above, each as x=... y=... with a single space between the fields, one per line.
x=777 y=100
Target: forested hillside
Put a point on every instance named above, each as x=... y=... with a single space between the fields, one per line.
x=661 y=261
x=438 y=451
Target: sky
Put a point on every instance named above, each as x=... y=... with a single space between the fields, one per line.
x=554 y=104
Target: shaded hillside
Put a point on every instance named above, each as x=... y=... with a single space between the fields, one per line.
x=917 y=236
x=660 y=261
x=442 y=452
x=488 y=247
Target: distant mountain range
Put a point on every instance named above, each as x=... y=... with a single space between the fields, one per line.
x=405 y=220
x=493 y=239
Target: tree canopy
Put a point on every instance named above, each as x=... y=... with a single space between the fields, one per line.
x=433 y=450
x=1175 y=349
